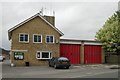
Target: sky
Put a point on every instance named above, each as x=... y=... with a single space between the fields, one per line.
x=77 y=20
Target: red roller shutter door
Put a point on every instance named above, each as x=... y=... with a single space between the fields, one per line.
x=71 y=51
x=92 y=54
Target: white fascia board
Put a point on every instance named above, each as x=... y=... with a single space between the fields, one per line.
x=64 y=42
x=31 y=19
x=92 y=43
x=85 y=43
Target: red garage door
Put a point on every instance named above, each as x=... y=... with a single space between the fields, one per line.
x=92 y=54
x=71 y=51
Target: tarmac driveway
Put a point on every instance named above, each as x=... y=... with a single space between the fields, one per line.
x=76 y=71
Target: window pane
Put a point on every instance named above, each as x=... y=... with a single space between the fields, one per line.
x=47 y=39
x=39 y=38
x=35 y=38
x=38 y=55
x=21 y=35
x=26 y=37
x=21 y=39
x=45 y=54
x=51 y=38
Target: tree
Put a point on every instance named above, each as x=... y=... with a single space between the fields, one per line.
x=109 y=34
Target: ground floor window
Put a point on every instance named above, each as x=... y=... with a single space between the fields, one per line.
x=18 y=55
x=43 y=55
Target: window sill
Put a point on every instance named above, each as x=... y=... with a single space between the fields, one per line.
x=37 y=42
x=23 y=42
x=43 y=58
x=49 y=43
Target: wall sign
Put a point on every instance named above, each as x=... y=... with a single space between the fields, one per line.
x=18 y=55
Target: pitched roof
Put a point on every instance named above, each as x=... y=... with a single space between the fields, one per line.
x=25 y=21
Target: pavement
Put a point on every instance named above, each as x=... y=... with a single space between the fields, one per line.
x=75 y=71
x=100 y=65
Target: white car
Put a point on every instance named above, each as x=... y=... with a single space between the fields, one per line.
x=1 y=58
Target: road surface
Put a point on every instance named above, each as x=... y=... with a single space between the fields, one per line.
x=79 y=71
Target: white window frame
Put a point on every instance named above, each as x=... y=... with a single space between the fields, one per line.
x=49 y=42
x=24 y=41
x=41 y=54
x=37 y=35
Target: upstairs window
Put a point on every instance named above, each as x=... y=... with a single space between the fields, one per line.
x=37 y=38
x=49 y=39
x=23 y=37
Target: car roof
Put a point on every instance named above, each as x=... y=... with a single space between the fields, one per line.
x=62 y=58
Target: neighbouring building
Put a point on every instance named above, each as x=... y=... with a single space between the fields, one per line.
x=36 y=40
x=5 y=53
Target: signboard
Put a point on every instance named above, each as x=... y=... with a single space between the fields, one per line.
x=18 y=55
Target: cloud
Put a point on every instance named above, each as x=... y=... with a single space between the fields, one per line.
x=83 y=20
x=78 y=20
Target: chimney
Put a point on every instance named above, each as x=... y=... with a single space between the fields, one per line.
x=50 y=19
